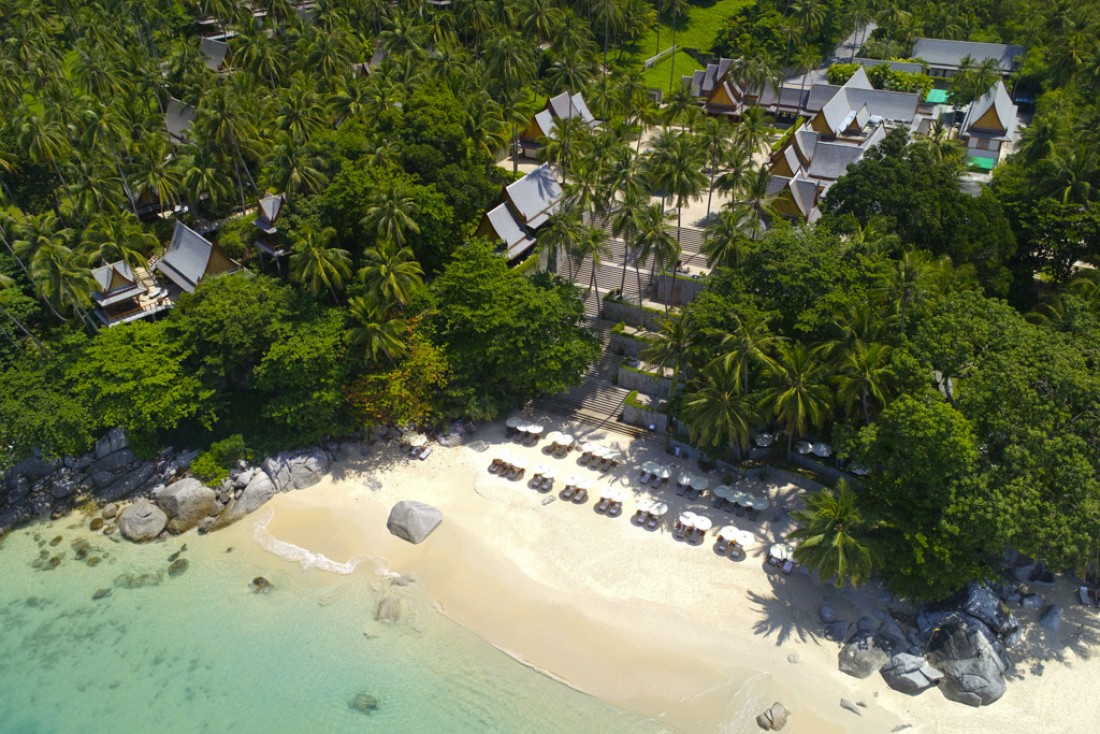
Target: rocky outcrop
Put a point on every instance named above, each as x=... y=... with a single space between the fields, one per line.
x=973 y=670
x=413 y=521
x=114 y=441
x=297 y=469
x=257 y=490
x=774 y=719
x=910 y=673
x=861 y=656
x=389 y=609
x=142 y=521
x=986 y=606
x=186 y=503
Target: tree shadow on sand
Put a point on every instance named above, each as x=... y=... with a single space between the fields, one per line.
x=786 y=611
x=364 y=460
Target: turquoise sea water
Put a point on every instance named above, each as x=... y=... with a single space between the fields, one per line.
x=200 y=652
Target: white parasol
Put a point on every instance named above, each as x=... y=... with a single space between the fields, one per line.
x=658 y=509
x=764 y=440
x=664 y=472
x=684 y=478
x=699 y=483
x=859 y=471
x=513 y=422
x=687 y=519
x=744 y=538
x=728 y=532
x=618 y=495
x=613 y=455
x=723 y=491
x=702 y=523
x=757 y=502
x=823 y=450
x=737 y=497
x=589 y=447
x=565 y=440
x=534 y=429
x=645 y=506
x=649 y=467
x=585 y=483
x=416 y=440
x=573 y=481
x=782 y=551
x=541 y=471
x=553 y=437
x=803 y=447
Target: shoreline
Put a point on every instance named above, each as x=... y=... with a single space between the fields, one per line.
x=654 y=626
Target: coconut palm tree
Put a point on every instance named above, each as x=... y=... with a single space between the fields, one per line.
x=591 y=246
x=719 y=415
x=316 y=265
x=380 y=335
x=750 y=342
x=60 y=279
x=863 y=374
x=675 y=166
x=391 y=214
x=907 y=283
x=294 y=166
x=391 y=275
x=113 y=237
x=799 y=395
x=654 y=242
x=831 y=537
x=672 y=348
x=558 y=238
x=715 y=137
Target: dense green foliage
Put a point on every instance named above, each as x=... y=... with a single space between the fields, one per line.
x=883 y=77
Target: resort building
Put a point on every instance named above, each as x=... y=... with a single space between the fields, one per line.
x=177 y=120
x=190 y=257
x=121 y=297
x=543 y=125
x=944 y=58
x=523 y=207
x=215 y=53
x=852 y=120
x=268 y=241
x=989 y=124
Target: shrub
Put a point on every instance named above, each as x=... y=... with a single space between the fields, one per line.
x=213 y=465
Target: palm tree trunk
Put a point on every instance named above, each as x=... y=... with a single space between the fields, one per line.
x=19 y=324
x=863 y=400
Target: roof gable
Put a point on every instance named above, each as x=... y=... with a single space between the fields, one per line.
x=190 y=257
x=994 y=112
x=213 y=53
x=535 y=196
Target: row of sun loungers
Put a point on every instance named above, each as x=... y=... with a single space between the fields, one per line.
x=578 y=495
x=502 y=468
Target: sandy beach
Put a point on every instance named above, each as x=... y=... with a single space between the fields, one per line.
x=655 y=625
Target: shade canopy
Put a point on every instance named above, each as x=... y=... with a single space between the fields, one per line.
x=728 y=532
x=702 y=523
x=782 y=551
x=513 y=422
x=613 y=455
x=534 y=429
x=542 y=470
x=803 y=447
x=723 y=491
x=565 y=440
x=415 y=439
x=757 y=502
x=589 y=447
x=764 y=440
x=553 y=436
x=664 y=472
x=699 y=483
x=585 y=483
x=744 y=538
x=687 y=519
x=684 y=478
x=821 y=449
x=658 y=509
x=649 y=467
x=737 y=496
x=645 y=506
x=573 y=481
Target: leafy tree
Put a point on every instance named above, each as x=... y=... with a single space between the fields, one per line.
x=507 y=338
x=408 y=394
x=718 y=412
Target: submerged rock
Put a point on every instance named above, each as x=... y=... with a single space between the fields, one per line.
x=137 y=581
x=100 y=594
x=177 y=567
x=96 y=524
x=109 y=510
x=260 y=585
x=364 y=702
x=389 y=609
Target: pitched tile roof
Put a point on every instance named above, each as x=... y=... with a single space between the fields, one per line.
x=535 y=196
x=997 y=99
x=949 y=54
x=116 y=283
x=177 y=119
x=190 y=257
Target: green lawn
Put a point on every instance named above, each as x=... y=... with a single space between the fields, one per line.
x=696 y=30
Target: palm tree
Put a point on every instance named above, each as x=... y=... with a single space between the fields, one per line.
x=113 y=237
x=7 y=282
x=59 y=278
x=378 y=333
x=592 y=246
x=675 y=166
x=675 y=8
x=862 y=374
x=391 y=214
x=315 y=264
x=726 y=244
x=799 y=395
x=750 y=342
x=907 y=284
x=391 y=275
x=830 y=534
x=671 y=347
x=624 y=226
x=718 y=413
x=294 y=166
x=558 y=238
x=714 y=135
x=654 y=242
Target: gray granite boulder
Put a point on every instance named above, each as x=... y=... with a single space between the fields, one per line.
x=297 y=469
x=986 y=606
x=63 y=486
x=1052 y=618
x=838 y=631
x=113 y=462
x=142 y=521
x=910 y=673
x=186 y=502
x=774 y=719
x=112 y=442
x=973 y=671
x=413 y=521
x=113 y=488
x=258 y=491
x=827 y=614
x=861 y=656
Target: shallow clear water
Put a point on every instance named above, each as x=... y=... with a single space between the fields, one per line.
x=199 y=652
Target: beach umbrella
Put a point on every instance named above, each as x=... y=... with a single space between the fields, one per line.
x=803 y=447
x=607 y=493
x=573 y=481
x=547 y=472
x=589 y=447
x=517 y=462
x=513 y=422
x=728 y=532
x=553 y=437
x=534 y=429
x=658 y=509
x=645 y=506
x=684 y=478
x=618 y=495
x=599 y=451
x=737 y=496
x=859 y=471
x=565 y=440
x=664 y=472
x=757 y=502
x=613 y=455
x=703 y=523
x=782 y=551
x=699 y=483
x=416 y=440
x=541 y=471
x=764 y=440
x=585 y=483
x=723 y=491
x=823 y=450
x=687 y=519
x=649 y=467
x=744 y=538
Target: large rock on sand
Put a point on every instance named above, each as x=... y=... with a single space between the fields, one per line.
x=259 y=490
x=141 y=521
x=297 y=469
x=186 y=502
x=973 y=671
x=910 y=673
x=861 y=656
x=413 y=521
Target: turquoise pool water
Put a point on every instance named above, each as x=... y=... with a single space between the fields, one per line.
x=200 y=652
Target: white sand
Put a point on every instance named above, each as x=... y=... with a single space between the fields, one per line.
x=639 y=619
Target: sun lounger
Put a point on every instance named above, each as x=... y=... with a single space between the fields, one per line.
x=679 y=531
x=640 y=516
x=603 y=504
x=581 y=496
x=753 y=514
x=644 y=477
x=547 y=484
x=615 y=509
x=585 y=456
x=496 y=466
x=681 y=489
x=652 y=522
x=788 y=566
x=722 y=546
x=739 y=510
x=568 y=492
x=735 y=551
x=1089 y=597
x=424 y=453
x=773 y=561
x=718 y=502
